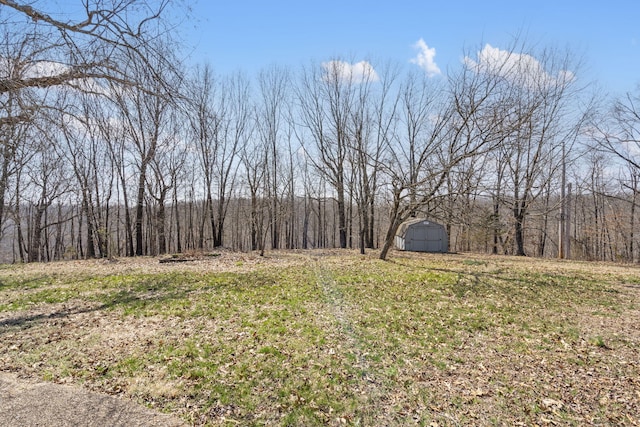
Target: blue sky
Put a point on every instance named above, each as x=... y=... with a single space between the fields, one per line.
x=249 y=35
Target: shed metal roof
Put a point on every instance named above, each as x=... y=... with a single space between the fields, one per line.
x=402 y=230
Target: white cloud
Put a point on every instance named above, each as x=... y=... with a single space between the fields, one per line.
x=44 y=69
x=425 y=58
x=517 y=67
x=11 y=68
x=353 y=73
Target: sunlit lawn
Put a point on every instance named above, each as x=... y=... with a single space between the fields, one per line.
x=313 y=338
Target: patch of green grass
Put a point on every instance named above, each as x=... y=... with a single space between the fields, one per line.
x=129 y=366
x=474 y=262
x=599 y=342
x=20 y=293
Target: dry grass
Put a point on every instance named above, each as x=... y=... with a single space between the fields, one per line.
x=334 y=338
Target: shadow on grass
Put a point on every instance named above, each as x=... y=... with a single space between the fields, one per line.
x=508 y=279
x=497 y=275
x=122 y=298
x=136 y=295
x=26 y=284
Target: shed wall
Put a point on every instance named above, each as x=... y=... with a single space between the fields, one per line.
x=423 y=236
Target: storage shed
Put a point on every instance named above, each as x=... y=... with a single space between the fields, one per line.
x=422 y=235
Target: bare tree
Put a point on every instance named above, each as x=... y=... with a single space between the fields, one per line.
x=371 y=126
x=49 y=180
x=412 y=156
x=88 y=139
x=96 y=46
x=311 y=97
x=17 y=109
x=205 y=123
x=619 y=133
x=144 y=112
x=443 y=128
x=255 y=162
x=165 y=166
x=271 y=112
x=236 y=132
x=221 y=125
x=47 y=51
x=326 y=96
x=632 y=184
x=115 y=137
x=544 y=93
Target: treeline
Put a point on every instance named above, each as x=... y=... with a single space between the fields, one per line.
x=113 y=146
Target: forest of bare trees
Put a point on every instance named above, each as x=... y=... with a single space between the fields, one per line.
x=113 y=145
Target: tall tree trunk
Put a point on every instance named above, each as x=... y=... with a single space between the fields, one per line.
x=275 y=216
x=395 y=222
x=4 y=178
x=127 y=216
x=632 y=226
x=389 y=239
x=254 y=221
x=518 y=216
x=91 y=252
x=35 y=247
x=542 y=237
x=219 y=224
x=178 y=231
x=140 y=209
x=18 y=220
x=160 y=225
x=305 y=222
x=212 y=219
x=370 y=230
x=342 y=218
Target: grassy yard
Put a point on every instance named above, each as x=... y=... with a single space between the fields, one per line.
x=336 y=338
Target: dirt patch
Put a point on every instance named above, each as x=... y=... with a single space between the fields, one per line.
x=27 y=403
x=224 y=261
